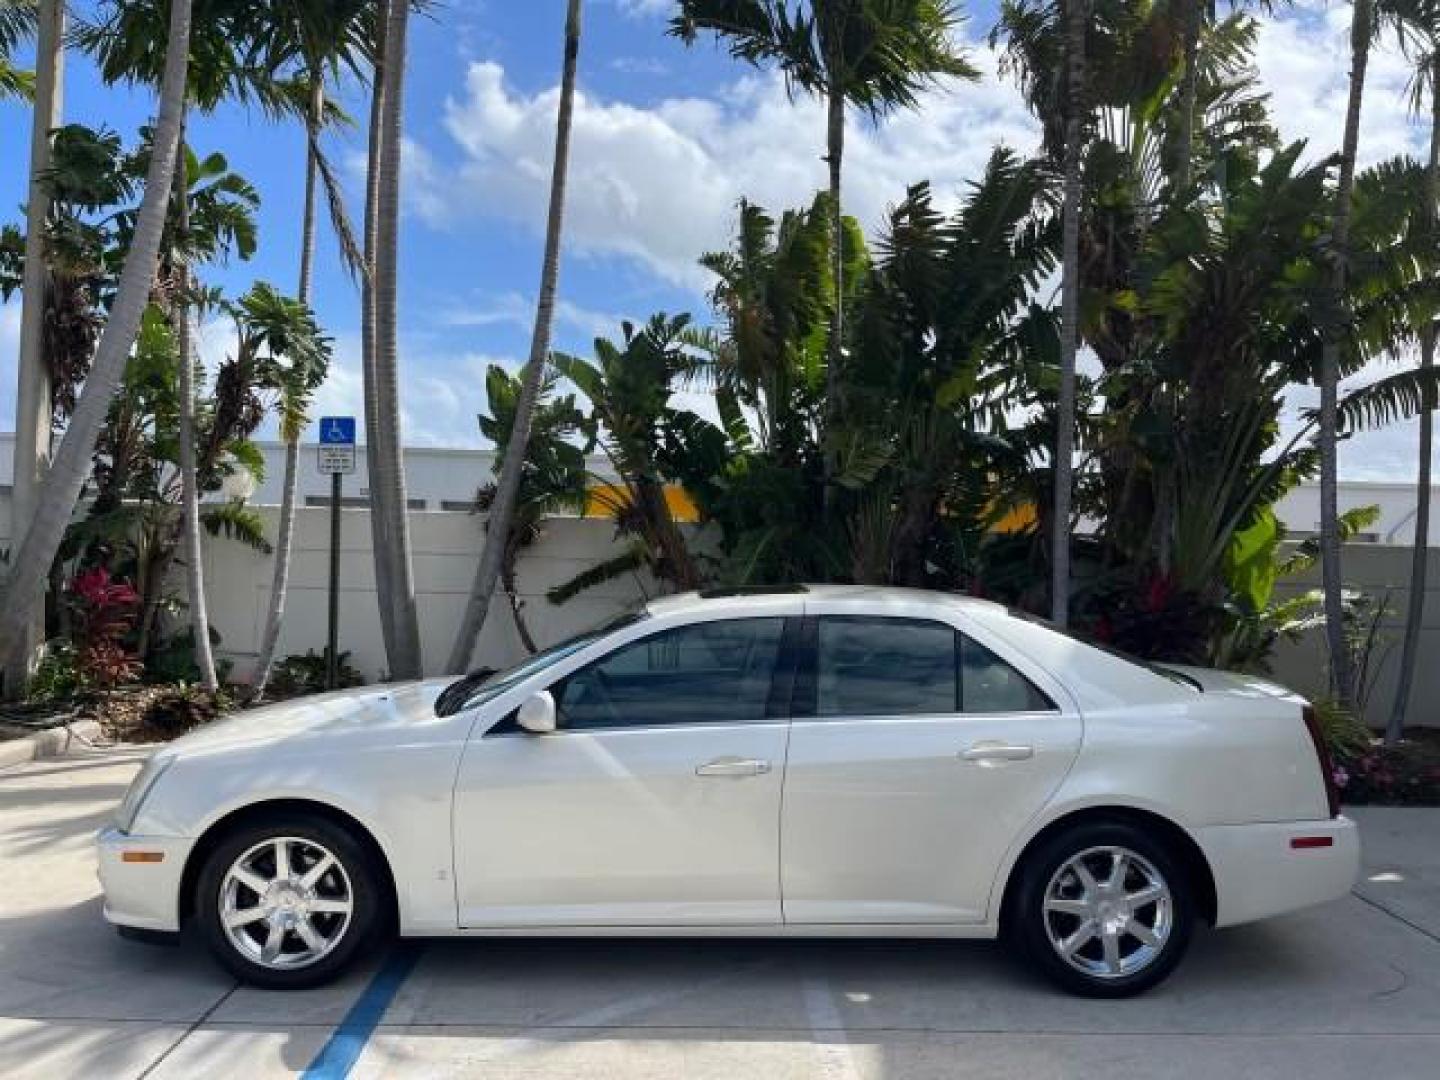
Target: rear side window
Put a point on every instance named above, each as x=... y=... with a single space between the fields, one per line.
x=885 y=667
x=705 y=673
x=879 y=666
x=990 y=685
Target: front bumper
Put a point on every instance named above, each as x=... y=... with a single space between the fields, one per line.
x=142 y=892
x=1260 y=872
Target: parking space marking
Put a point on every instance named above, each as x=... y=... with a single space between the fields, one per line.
x=338 y=1056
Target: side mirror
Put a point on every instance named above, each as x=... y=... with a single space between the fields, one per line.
x=537 y=714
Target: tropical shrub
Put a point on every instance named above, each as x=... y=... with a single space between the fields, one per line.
x=103 y=612
x=300 y=674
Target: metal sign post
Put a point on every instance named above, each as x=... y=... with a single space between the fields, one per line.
x=336 y=457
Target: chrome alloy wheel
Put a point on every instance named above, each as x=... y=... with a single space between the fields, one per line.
x=286 y=902
x=1108 y=912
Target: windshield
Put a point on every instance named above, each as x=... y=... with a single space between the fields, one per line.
x=480 y=686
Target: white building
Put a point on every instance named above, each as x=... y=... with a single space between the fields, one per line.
x=446 y=479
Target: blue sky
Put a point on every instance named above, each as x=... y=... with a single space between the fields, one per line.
x=666 y=140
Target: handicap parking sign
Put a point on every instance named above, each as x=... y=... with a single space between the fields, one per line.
x=337 y=431
x=337 y=444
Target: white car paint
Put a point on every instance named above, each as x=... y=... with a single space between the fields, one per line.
x=854 y=826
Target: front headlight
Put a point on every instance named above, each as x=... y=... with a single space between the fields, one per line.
x=140 y=788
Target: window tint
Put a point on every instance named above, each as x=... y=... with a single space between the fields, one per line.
x=707 y=673
x=990 y=685
x=885 y=667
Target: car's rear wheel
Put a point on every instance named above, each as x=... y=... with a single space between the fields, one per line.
x=1104 y=910
x=286 y=903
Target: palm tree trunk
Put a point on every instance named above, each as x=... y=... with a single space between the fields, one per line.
x=507 y=486
x=1189 y=89
x=517 y=613
x=834 y=158
x=1341 y=670
x=379 y=497
x=32 y=398
x=189 y=481
x=1420 y=552
x=1069 y=320
x=285 y=540
x=24 y=588
x=405 y=659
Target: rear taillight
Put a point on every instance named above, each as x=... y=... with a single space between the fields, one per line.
x=1322 y=755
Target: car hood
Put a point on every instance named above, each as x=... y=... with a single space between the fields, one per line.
x=342 y=713
x=1234 y=683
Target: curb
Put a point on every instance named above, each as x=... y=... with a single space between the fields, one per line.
x=49 y=743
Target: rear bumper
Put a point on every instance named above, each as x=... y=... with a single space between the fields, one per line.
x=1259 y=872
x=143 y=895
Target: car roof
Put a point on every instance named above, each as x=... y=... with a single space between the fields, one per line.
x=813 y=597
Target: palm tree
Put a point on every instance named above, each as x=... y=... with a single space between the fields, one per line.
x=1069 y=315
x=1362 y=19
x=553 y=478
x=1046 y=46
x=30 y=565
x=387 y=471
x=1423 y=26
x=189 y=482
x=126 y=43
x=320 y=37
x=647 y=441
x=877 y=55
x=32 y=400
x=18 y=20
x=507 y=487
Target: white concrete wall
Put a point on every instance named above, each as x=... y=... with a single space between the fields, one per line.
x=1381 y=570
x=446 y=551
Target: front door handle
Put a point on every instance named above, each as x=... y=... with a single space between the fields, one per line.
x=992 y=753
x=734 y=766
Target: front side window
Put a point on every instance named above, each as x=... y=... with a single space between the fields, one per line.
x=706 y=673
x=884 y=667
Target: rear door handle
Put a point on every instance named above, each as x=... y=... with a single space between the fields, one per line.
x=994 y=752
x=734 y=766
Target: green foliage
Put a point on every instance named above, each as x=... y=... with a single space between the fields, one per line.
x=57 y=677
x=236 y=521
x=172 y=661
x=1343 y=733
x=878 y=55
x=182 y=707
x=299 y=674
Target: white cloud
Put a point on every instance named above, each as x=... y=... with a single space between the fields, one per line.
x=660 y=184
x=440 y=393
x=1304 y=61
x=645 y=7
x=517 y=310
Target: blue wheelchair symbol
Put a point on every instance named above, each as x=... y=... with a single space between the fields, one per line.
x=337 y=431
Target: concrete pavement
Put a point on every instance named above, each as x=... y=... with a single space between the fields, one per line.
x=1349 y=989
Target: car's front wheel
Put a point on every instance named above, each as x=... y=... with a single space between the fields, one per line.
x=1104 y=910
x=286 y=903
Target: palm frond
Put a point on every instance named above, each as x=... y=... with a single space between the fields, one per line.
x=629 y=562
x=236 y=521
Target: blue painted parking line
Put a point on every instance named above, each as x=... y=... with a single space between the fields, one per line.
x=339 y=1055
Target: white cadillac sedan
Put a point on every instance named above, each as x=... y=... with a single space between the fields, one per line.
x=814 y=761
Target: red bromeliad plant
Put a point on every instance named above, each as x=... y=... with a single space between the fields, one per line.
x=104 y=612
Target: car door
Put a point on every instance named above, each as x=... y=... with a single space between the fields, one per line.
x=916 y=755
x=656 y=802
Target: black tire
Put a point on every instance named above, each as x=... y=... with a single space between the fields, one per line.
x=355 y=877
x=1031 y=927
